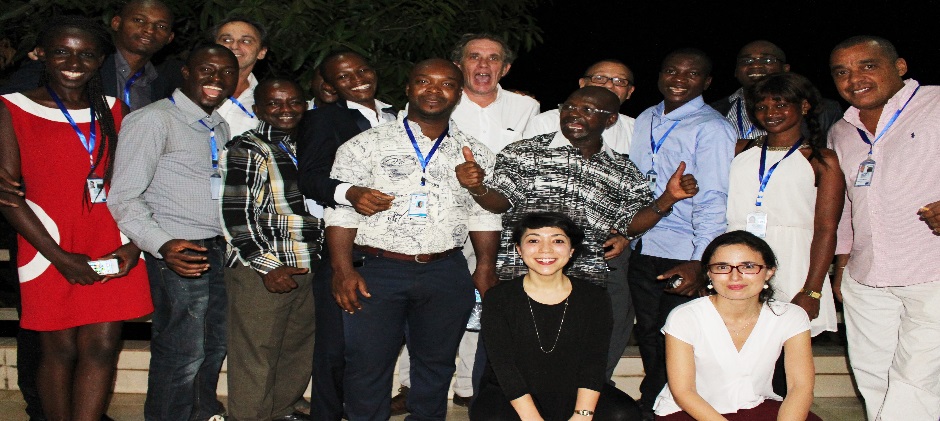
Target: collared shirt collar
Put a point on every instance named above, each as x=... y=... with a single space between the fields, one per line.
x=271 y=134
x=739 y=94
x=894 y=103
x=193 y=112
x=250 y=90
x=125 y=73
x=681 y=112
x=559 y=141
x=499 y=96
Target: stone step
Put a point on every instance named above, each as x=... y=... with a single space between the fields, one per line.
x=832 y=370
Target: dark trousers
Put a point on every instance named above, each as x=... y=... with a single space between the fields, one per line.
x=652 y=305
x=434 y=300
x=187 y=342
x=621 y=305
x=613 y=405
x=329 y=361
x=28 y=356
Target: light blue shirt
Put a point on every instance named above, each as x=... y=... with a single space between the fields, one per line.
x=705 y=141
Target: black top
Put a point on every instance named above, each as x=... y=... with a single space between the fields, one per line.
x=516 y=363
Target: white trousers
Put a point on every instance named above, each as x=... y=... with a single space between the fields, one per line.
x=894 y=348
x=463 y=385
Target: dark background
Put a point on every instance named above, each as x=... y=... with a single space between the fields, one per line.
x=641 y=33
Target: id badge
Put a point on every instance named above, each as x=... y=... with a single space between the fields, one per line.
x=419 y=205
x=866 y=170
x=757 y=224
x=215 y=186
x=651 y=179
x=96 y=190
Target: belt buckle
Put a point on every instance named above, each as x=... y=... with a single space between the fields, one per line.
x=419 y=261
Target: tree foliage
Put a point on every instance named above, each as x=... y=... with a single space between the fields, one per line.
x=393 y=34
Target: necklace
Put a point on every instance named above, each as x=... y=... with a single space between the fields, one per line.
x=557 y=335
x=763 y=139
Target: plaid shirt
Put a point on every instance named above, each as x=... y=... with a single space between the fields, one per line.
x=263 y=213
x=546 y=173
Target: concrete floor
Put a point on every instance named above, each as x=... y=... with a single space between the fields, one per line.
x=130 y=407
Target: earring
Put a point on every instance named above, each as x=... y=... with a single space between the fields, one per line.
x=710 y=286
x=766 y=286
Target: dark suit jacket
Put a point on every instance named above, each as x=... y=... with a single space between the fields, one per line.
x=829 y=113
x=169 y=77
x=322 y=131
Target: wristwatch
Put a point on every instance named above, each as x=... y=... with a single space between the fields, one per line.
x=583 y=412
x=812 y=294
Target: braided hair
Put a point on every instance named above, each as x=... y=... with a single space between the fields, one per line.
x=94 y=90
x=792 y=88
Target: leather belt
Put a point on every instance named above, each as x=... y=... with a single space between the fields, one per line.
x=420 y=258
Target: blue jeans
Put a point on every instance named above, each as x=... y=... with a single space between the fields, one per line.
x=188 y=338
x=434 y=300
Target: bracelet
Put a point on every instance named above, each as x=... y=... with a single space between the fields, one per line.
x=583 y=412
x=479 y=195
x=812 y=294
x=659 y=211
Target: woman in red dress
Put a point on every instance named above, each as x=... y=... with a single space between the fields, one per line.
x=59 y=140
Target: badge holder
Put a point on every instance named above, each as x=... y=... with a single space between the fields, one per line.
x=651 y=179
x=757 y=223
x=215 y=186
x=866 y=170
x=419 y=206
x=96 y=190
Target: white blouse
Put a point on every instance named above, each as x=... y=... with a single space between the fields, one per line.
x=727 y=379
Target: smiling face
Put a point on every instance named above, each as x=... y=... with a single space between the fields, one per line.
x=683 y=77
x=866 y=76
x=71 y=58
x=610 y=70
x=143 y=28
x=433 y=89
x=579 y=124
x=735 y=285
x=210 y=76
x=483 y=65
x=280 y=104
x=245 y=41
x=777 y=115
x=546 y=250
x=352 y=78
x=760 y=52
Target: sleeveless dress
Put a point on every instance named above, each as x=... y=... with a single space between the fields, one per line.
x=790 y=204
x=55 y=166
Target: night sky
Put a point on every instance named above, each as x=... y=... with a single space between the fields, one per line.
x=579 y=33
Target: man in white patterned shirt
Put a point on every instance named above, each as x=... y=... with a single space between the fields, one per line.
x=403 y=265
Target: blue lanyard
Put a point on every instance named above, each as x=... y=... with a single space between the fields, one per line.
x=288 y=152
x=765 y=178
x=654 y=145
x=741 y=121
x=421 y=159
x=212 y=145
x=871 y=143
x=127 y=86
x=239 y=104
x=89 y=142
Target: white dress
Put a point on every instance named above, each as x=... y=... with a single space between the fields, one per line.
x=790 y=204
x=728 y=379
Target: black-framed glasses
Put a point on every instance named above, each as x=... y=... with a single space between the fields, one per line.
x=601 y=79
x=747 y=61
x=584 y=109
x=743 y=268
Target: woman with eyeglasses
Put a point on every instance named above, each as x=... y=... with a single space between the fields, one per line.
x=721 y=349
x=547 y=336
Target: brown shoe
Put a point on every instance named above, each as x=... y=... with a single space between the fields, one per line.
x=400 y=401
x=462 y=401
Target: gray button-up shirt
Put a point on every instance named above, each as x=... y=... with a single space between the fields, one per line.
x=160 y=189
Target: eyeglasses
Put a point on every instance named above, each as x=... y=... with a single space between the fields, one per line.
x=743 y=268
x=747 y=61
x=601 y=79
x=584 y=110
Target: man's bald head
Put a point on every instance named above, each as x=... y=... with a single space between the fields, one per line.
x=604 y=98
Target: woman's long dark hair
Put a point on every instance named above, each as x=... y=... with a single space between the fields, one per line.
x=94 y=91
x=792 y=88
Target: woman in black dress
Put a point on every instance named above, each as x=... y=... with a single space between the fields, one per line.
x=547 y=336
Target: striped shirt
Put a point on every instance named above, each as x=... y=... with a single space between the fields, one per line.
x=889 y=244
x=546 y=173
x=263 y=212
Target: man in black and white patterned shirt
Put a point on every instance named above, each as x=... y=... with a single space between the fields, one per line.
x=573 y=172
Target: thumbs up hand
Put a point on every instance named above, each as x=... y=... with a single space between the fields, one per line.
x=470 y=174
x=681 y=186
